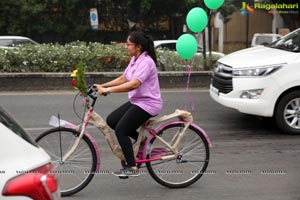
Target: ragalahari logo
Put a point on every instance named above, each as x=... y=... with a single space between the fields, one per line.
x=246 y=8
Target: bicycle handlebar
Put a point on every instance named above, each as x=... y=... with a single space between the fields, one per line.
x=92 y=92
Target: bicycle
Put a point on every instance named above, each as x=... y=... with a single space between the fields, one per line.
x=176 y=152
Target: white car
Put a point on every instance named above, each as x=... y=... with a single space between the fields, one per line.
x=25 y=168
x=264 y=38
x=171 y=45
x=12 y=41
x=263 y=81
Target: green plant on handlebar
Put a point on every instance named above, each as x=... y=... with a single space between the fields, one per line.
x=78 y=81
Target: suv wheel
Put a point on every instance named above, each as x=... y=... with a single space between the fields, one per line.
x=287 y=113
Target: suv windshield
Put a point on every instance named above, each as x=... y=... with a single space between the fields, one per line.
x=10 y=123
x=290 y=42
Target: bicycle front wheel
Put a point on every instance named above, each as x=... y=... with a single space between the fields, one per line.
x=75 y=173
x=188 y=167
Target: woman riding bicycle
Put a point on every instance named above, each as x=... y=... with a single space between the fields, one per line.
x=140 y=79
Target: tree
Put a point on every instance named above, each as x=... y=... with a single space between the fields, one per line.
x=67 y=20
x=147 y=12
x=59 y=19
x=226 y=10
x=8 y=15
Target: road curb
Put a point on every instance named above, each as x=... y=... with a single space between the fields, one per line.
x=62 y=81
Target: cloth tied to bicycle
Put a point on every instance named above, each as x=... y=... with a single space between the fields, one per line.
x=99 y=122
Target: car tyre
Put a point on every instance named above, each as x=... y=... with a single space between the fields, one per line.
x=287 y=113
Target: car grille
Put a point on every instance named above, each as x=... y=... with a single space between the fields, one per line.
x=222 y=78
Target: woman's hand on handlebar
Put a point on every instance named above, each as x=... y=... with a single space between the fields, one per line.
x=102 y=90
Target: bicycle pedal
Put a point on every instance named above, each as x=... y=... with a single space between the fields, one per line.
x=123 y=177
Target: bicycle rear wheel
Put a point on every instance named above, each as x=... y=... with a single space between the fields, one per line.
x=188 y=167
x=76 y=172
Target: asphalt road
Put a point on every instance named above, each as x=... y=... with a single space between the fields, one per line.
x=250 y=157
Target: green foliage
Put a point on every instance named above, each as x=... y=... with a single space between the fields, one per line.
x=63 y=58
x=80 y=79
x=96 y=57
x=171 y=61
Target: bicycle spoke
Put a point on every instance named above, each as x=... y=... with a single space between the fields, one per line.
x=60 y=143
x=194 y=151
x=53 y=155
x=189 y=144
x=168 y=169
x=80 y=154
x=46 y=145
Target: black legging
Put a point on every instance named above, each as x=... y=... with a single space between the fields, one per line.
x=125 y=120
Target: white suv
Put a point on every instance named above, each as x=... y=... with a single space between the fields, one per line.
x=263 y=81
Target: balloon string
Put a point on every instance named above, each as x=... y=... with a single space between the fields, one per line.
x=187 y=98
x=209 y=15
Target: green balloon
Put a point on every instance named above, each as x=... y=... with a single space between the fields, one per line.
x=213 y=4
x=196 y=19
x=186 y=46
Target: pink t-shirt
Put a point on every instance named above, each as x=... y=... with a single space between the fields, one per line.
x=147 y=96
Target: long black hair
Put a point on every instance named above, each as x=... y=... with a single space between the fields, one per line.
x=146 y=42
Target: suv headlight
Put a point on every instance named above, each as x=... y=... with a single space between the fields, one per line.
x=255 y=71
